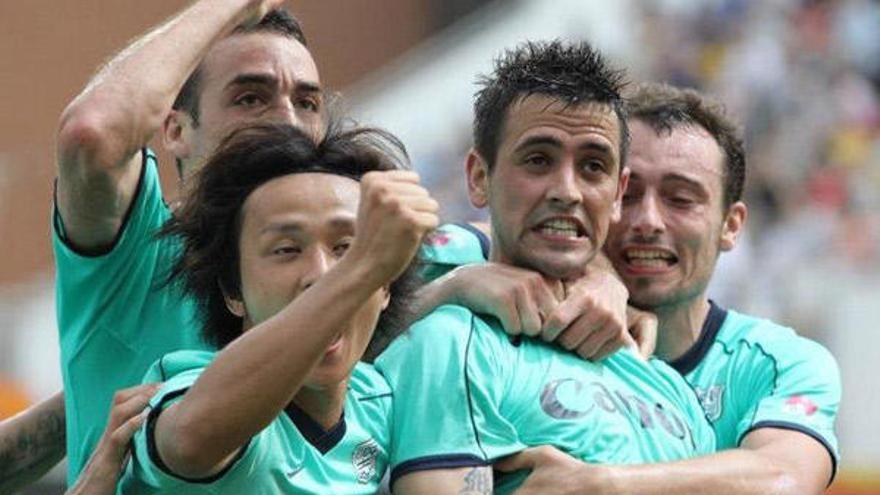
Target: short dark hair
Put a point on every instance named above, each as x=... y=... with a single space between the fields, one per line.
x=209 y=221
x=277 y=21
x=664 y=108
x=573 y=73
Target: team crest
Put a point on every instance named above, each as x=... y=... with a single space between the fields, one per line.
x=710 y=399
x=364 y=460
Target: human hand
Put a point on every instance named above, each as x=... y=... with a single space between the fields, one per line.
x=555 y=472
x=518 y=297
x=257 y=9
x=395 y=212
x=592 y=318
x=108 y=460
x=643 y=328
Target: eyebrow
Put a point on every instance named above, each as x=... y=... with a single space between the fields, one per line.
x=293 y=227
x=272 y=81
x=682 y=178
x=553 y=141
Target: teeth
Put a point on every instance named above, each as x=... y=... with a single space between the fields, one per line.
x=649 y=262
x=559 y=227
x=648 y=254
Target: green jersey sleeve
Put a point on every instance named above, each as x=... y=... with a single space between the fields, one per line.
x=804 y=382
x=450 y=246
x=448 y=378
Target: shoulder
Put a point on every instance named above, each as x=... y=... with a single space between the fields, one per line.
x=776 y=342
x=178 y=363
x=365 y=382
x=456 y=244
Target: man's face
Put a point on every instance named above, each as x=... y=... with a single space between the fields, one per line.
x=250 y=78
x=293 y=230
x=673 y=224
x=555 y=185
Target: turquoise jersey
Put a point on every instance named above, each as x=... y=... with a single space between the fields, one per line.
x=466 y=395
x=115 y=316
x=751 y=373
x=292 y=455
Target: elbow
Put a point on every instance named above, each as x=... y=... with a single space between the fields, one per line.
x=784 y=482
x=81 y=136
x=186 y=452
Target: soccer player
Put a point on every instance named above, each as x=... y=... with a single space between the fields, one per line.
x=549 y=140
x=215 y=66
x=772 y=396
x=291 y=250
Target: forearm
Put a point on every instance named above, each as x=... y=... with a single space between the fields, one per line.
x=457 y=481
x=733 y=472
x=31 y=443
x=127 y=101
x=256 y=376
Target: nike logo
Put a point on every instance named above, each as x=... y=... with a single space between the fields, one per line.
x=293 y=472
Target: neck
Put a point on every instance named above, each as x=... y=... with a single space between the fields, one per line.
x=323 y=405
x=679 y=327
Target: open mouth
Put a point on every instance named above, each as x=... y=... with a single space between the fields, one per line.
x=649 y=258
x=567 y=228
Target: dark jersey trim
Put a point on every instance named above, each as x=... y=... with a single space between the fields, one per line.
x=711 y=326
x=153 y=451
x=485 y=243
x=785 y=425
x=314 y=433
x=58 y=222
x=467 y=385
x=431 y=462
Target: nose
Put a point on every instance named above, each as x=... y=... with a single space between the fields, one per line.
x=645 y=216
x=564 y=190
x=284 y=112
x=319 y=262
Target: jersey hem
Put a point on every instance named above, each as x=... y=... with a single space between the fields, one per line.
x=432 y=462
x=153 y=450
x=785 y=425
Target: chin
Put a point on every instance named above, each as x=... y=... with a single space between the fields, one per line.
x=561 y=266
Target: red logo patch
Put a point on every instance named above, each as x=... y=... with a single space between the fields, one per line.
x=437 y=239
x=798 y=404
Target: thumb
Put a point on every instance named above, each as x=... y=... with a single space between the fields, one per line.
x=527 y=459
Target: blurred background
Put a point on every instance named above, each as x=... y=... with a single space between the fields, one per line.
x=802 y=75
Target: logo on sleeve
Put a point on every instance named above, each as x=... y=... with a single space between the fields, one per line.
x=710 y=399
x=437 y=239
x=800 y=405
x=364 y=460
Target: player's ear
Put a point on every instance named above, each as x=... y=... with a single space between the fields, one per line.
x=734 y=224
x=622 y=183
x=234 y=301
x=477 y=179
x=175 y=133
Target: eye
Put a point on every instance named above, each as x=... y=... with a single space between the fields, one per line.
x=594 y=166
x=341 y=247
x=309 y=104
x=681 y=201
x=537 y=160
x=249 y=100
x=286 y=250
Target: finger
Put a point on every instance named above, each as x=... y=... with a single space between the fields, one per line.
x=606 y=350
x=126 y=393
x=579 y=330
x=527 y=459
x=598 y=337
x=643 y=328
x=560 y=319
x=120 y=438
x=528 y=312
x=131 y=407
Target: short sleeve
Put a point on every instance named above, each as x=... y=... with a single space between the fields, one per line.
x=805 y=395
x=448 y=383
x=451 y=246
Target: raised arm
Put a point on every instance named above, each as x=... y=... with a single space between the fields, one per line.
x=31 y=443
x=103 y=129
x=256 y=376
